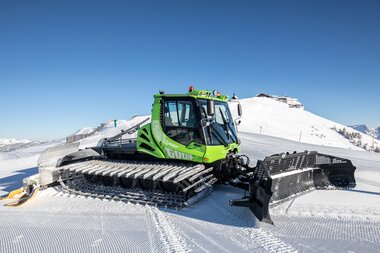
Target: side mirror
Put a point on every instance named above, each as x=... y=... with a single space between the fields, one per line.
x=240 y=112
x=210 y=107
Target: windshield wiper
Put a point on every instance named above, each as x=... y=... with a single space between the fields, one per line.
x=218 y=136
x=207 y=123
x=225 y=124
x=212 y=131
x=227 y=127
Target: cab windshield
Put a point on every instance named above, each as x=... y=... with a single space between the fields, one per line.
x=222 y=128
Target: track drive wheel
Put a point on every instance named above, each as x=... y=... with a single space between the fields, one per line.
x=91 y=178
x=169 y=187
x=147 y=184
x=107 y=180
x=126 y=182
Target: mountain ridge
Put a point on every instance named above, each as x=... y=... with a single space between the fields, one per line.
x=363 y=128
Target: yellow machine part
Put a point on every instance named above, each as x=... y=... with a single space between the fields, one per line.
x=12 y=194
x=21 y=199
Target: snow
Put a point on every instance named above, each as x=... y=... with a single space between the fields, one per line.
x=18 y=164
x=270 y=117
x=29 y=151
x=110 y=130
x=85 y=130
x=265 y=116
x=318 y=221
x=375 y=132
x=4 y=141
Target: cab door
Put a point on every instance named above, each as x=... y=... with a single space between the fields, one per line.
x=182 y=126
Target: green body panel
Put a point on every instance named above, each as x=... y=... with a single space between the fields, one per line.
x=152 y=140
x=216 y=153
x=146 y=142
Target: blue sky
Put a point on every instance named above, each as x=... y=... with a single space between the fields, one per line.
x=70 y=64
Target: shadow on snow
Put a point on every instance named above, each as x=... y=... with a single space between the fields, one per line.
x=366 y=192
x=215 y=208
x=14 y=181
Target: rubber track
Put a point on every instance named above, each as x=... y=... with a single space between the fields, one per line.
x=134 y=196
x=180 y=174
x=192 y=179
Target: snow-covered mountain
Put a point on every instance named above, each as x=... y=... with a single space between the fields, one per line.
x=212 y=224
x=270 y=117
x=108 y=129
x=8 y=145
x=85 y=130
x=368 y=130
x=4 y=142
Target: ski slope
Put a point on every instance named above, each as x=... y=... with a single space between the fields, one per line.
x=263 y=116
x=320 y=221
x=270 y=117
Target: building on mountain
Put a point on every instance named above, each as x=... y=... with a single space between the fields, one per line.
x=263 y=95
x=292 y=102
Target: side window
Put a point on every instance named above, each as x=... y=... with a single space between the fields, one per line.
x=180 y=122
x=179 y=114
x=188 y=114
x=171 y=115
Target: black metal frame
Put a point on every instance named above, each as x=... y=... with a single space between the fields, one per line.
x=281 y=177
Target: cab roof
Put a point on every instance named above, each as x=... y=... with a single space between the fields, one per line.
x=203 y=94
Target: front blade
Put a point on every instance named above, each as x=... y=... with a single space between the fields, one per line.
x=260 y=194
x=282 y=177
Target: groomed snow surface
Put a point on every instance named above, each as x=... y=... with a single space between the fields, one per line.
x=320 y=221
